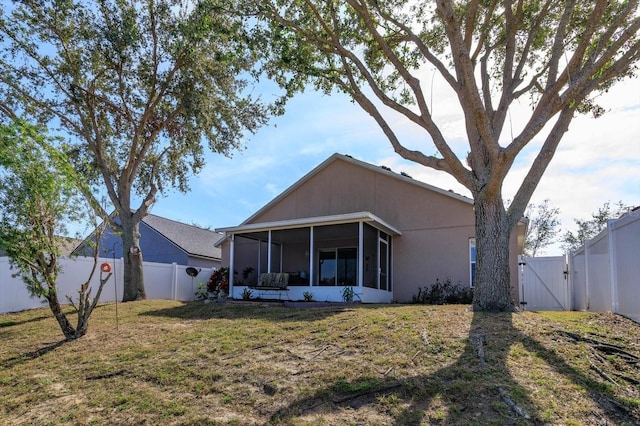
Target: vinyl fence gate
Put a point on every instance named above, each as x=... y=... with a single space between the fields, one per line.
x=544 y=284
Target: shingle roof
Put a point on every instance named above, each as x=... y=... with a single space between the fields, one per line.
x=192 y=239
x=66 y=246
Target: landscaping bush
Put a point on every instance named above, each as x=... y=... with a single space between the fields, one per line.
x=444 y=293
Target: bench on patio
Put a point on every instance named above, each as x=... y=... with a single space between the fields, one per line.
x=272 y=283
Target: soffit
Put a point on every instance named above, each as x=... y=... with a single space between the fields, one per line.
x=313 y=221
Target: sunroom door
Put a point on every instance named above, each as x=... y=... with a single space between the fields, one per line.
x=383 y=283
x=338 y=267
x=327 y=268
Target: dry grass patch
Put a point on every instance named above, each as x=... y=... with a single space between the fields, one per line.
x=191 y=363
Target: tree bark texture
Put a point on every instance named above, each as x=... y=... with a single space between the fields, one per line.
x=132 y=256
x=66 y=327
x=493 y=285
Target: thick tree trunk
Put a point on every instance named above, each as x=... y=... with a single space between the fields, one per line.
x=132 y=255
x=492 y=290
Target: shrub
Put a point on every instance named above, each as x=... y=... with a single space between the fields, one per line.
x=246 y=294
x=219 y=280
x=202 y=292
x=444 y=293
x=347 y=294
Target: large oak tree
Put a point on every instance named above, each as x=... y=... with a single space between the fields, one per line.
x=136 y=87
x=555 y=54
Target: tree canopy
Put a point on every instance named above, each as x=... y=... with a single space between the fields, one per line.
x=542 y=228
x=556 y=55
x=38 y=198
x=40 y=193
x=589 y=228
x=136 y=88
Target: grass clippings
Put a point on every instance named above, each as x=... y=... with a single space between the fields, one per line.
x=256 y=364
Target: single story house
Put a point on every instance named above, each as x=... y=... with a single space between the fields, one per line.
x=350 y=223
x=165 y=241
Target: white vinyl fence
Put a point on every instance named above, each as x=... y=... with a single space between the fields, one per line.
x=602 y=275
x=162 y=281
x=605 y=272
x=544 y=284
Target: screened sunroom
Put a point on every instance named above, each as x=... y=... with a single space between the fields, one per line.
x=321 y=255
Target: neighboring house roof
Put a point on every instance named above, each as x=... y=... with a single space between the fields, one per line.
x=191 y=239
x=66 y=246
x=349 y=159
x=195 y=241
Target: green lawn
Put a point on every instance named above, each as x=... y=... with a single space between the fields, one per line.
x=166 y=362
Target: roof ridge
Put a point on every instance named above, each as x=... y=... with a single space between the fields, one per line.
x=178 y=222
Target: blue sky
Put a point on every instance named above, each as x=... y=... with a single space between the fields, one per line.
x=597 y=161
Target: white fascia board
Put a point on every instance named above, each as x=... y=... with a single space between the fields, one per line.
x=313 y=221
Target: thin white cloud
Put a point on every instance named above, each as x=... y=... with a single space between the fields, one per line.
x=272 y=189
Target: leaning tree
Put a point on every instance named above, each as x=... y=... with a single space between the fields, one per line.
x=40 y=194
x=556 y=54
x=135 y=87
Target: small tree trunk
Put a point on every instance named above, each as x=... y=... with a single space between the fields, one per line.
x=66 y=327
x=83 y=323
x=132 y=255
x=88 y=304
x=492 y=290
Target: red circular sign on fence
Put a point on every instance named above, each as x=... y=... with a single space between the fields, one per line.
x=105 y=267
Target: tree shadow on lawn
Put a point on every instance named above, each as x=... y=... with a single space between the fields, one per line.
x=36 y=353
x=30 y=356
x=476 y=389
x=259 y=310
x=10 y=323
